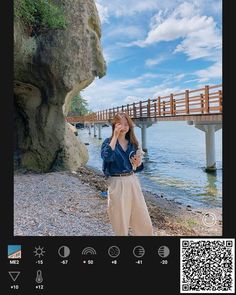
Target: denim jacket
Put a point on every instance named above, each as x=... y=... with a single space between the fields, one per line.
x=117 y=161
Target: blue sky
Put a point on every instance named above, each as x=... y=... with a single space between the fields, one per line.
x=156 y=48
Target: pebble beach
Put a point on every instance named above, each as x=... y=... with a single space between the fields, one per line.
x=69 y=203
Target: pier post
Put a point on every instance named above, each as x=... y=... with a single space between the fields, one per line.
x=99 y=131
x=94 y=130
x=144 y=137
x=144 y=125
x=210 y=148
x=209 y=128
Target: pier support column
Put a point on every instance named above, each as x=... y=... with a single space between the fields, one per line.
x=144 y=137
x=144 y=125
x=94 y=130
x=210 y=148
x=99 y=131
x=209 y=128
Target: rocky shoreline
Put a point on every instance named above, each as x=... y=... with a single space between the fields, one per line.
x=168 y=217
x=69 y=204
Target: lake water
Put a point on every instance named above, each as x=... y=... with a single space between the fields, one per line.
x=174 y=163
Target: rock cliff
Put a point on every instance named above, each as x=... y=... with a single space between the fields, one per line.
x=49 y=69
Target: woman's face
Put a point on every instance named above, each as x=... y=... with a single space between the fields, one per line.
x=125 y=125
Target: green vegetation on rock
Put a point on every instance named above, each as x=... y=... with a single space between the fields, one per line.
x=94 y=26
x=39 y=14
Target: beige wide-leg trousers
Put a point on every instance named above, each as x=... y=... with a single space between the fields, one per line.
x=127 y=207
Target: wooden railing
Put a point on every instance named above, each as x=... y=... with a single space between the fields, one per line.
x=207 y=100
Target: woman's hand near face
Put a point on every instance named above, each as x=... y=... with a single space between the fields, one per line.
x=117 y=130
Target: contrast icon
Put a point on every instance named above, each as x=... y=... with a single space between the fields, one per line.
x=114 y=251
x=138 y=251
x=163 y=251
x=89 y=251
x=39 y=251
x=64 y=251
x=14 y=275
x=14 y=251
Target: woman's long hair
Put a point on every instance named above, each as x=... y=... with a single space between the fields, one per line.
x=130 y=134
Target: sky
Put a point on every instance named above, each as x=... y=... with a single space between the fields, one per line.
x=154 y=47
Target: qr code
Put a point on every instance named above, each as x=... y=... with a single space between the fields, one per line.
x=207 y=266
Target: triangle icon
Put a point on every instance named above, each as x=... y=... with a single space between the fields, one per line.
x=14 y=275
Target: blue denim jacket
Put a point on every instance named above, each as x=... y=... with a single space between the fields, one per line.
x=117 y=161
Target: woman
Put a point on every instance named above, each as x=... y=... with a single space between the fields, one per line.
x=126 y=204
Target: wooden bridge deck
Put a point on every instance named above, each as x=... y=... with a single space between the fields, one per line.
x=204 y=104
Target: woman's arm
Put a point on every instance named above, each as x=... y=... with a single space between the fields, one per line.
x=113 y=142
x=107 y=154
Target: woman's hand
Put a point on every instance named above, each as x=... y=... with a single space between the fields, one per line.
x=136 y=160
x=117 y=130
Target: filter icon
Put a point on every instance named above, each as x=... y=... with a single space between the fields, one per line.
x=14 y=251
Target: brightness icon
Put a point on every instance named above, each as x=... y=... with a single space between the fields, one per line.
x=39 y=251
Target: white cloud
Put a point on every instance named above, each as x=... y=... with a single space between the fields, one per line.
x=191 y=80
x=204 y=43
x=189 y=23
x=212 y=72
x=130 y=99
x=186 y=9
x=113 y=52
x=121 y=8
x=163 y=90
x=107 y=93
x=179 y=77
x=173 y=28
x=155 y=61
x=158 y=18
x=214 y=7
x=208 y=74
x=103 y=12
x=127 y=31
x=201 y=38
